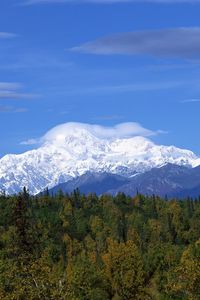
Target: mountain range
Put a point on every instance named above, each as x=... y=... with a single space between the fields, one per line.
x=74 y=152
x=169 y=180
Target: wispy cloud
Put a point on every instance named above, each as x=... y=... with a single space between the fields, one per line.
x=16 y=95
x=190 y=101
x=175 y=43
x=32 y=2
x=7 y=35
x=30 y=142
x=127 y=88
x=9 y=90
x=9 y=86
x=11 y=109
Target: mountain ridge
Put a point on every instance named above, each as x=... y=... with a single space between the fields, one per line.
x=169 y=180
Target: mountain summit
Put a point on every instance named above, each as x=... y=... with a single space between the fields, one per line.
x=73 y=149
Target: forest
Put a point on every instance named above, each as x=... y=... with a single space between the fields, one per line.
x=79 y=247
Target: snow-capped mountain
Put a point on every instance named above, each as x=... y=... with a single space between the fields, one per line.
x=72 y=149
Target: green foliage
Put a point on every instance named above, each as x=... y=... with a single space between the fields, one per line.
x=85 y=280
x=124 y=270
x=185 y=279
x=79 y=247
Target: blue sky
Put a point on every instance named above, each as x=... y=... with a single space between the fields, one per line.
x=103 y=62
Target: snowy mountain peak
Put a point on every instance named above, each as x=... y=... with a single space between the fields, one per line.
x=72 y=149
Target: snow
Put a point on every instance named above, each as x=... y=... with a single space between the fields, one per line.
x=71 y=153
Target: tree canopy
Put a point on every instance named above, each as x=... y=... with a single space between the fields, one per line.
x=84 y=247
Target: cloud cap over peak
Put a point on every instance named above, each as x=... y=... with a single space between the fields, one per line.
x=119 y=131
x=175 y=42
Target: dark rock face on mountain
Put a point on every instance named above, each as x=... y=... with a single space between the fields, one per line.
x=169 y=180
x=98 y=183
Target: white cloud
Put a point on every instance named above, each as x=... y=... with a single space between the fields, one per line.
x=174 y=42
x=11 y=90
x=122 y=130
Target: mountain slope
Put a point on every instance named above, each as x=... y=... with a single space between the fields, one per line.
x=170 y=180
x=98 y=183
x=72 y=149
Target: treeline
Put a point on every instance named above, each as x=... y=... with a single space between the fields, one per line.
x=79 y=247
